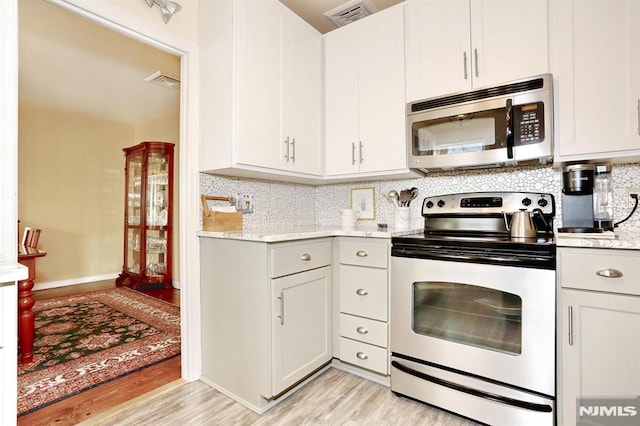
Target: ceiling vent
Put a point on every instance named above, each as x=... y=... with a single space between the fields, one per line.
x=163 y=80
x=350 y=12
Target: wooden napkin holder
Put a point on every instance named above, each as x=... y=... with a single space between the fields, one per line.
x=220 y=221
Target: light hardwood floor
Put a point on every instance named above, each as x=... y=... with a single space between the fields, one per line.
x=333 y=398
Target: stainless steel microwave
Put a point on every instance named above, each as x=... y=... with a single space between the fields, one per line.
x=503 y=125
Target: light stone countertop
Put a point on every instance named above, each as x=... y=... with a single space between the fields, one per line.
x=10 y=271
x=620 y=240
x=273 y=234
x=281 y=234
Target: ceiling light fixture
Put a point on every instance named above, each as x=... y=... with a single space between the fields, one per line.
x=167 y=7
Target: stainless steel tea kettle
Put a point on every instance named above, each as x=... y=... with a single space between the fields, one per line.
x=522 y=224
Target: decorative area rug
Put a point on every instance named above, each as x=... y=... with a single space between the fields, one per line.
x=89 y=339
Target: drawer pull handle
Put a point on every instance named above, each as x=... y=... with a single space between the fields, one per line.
x=306 y=257
x=362 y=355
x=609 y=273
x=362 y=330
x=361 y=253
x=361 y=292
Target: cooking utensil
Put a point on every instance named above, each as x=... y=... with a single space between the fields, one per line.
x=394 y=197
x=407 y=195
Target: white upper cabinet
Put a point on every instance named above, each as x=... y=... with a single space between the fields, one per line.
x=457 y=45
x=261 y=89
x=364 y=96
x=598 y=80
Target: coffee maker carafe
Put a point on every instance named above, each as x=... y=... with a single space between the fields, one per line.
x=587 y=199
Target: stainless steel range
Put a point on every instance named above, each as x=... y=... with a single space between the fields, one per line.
x=473 y=303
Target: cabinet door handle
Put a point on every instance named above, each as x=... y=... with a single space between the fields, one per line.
x=638 y=116
x=361 y=292
x=362 y=355
x=609 y=273
x=286 y=143
x=361 y=152
x=362 y=330
x=361 y=253
x=281 y=316
x=464 y=64
x=353 y=153
x=570 y=325
x=306 y=257
x=293 y=150
x=475 y=60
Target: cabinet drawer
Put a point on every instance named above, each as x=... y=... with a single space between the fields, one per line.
x=363 y=292
x=364 y=355
x=364 y=253
x=289 y=259
x=582 y=269
x=364 y=330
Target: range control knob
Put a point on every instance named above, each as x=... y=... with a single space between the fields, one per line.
x=526 y=202
x=542 y=202
x=429 y=204
x=440 y=203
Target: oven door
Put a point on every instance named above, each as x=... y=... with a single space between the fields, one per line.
x=485 y=321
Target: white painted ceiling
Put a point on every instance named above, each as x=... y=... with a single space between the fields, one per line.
x=313 y=11
x=68 y=62
x=71 y=63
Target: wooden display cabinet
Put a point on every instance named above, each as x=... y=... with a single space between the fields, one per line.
x=148 y=216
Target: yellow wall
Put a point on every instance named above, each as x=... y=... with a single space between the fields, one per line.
x=71 y=185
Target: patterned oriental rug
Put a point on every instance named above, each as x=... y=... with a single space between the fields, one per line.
x=85 y=340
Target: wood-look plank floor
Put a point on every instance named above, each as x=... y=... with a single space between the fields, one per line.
x=83 y=406
x=333 y=398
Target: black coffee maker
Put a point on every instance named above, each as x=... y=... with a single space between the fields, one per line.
x=578 y=206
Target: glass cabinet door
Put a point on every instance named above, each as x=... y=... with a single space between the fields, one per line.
x=134 y=210
x=148 y=230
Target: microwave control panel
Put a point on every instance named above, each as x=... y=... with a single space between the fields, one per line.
x=529 y=123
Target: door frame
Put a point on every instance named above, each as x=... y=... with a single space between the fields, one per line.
x=127 y=23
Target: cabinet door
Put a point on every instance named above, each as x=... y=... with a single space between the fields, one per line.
x=381 y=85
x=341 y=100
x=301 y=102
x=437 y=44
x=301 y=326
x=508 y=40
x=259 y=79
x=598 y=79
x=602 y=357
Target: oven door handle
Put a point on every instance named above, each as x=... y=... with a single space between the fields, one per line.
x=545 y=408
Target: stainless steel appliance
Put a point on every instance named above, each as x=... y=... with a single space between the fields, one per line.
x=473 y=309
x=488 y=127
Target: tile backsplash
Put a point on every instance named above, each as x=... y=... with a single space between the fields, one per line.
x=279 y=204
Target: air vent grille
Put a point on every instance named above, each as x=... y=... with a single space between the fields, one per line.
x=163 y=80
x=350 y=12
x=521 y=86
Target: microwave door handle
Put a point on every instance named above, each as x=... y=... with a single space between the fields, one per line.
x=510 y=141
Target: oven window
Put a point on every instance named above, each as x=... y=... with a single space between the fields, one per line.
x=468 y=314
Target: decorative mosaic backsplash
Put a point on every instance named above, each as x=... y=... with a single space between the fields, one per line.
x=278 y=204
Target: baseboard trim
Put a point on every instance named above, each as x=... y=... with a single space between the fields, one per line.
x=74 y=281
x=83 y=280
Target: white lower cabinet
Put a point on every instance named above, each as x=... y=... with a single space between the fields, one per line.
x=8 y=351
x=266 y=316
x=363 y=301
x=301 y=332
x=600 y=333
